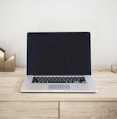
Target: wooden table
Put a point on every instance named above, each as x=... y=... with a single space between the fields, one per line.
x=17 y=105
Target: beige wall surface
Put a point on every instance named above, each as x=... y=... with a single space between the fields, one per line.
x=17 y=17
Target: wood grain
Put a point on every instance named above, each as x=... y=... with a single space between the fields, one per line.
x=88 y=110
x=28 y=110
x=17 y=105
x=10 y=84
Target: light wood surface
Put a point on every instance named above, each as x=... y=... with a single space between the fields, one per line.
x=88 y=110
x=10 y=84
x=28 y=110
x=17 y=105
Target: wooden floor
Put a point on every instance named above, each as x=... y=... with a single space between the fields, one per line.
x=17 y=105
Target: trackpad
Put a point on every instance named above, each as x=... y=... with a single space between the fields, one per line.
x=59 y=87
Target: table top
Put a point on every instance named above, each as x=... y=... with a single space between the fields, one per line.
x=10 y=84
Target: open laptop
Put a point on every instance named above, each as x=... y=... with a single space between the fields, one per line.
x=58 y=62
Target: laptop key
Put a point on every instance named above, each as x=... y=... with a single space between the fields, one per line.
x=58 y=80
x=35 y=80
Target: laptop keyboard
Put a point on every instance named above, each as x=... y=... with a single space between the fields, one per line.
x=58 y=80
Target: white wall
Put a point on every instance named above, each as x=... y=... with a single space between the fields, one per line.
x=17 y=17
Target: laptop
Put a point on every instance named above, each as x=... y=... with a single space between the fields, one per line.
x=58 y=62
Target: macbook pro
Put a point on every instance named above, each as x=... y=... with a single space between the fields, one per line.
x=58 y=62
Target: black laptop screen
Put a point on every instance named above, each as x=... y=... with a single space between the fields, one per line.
x=58 y=53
